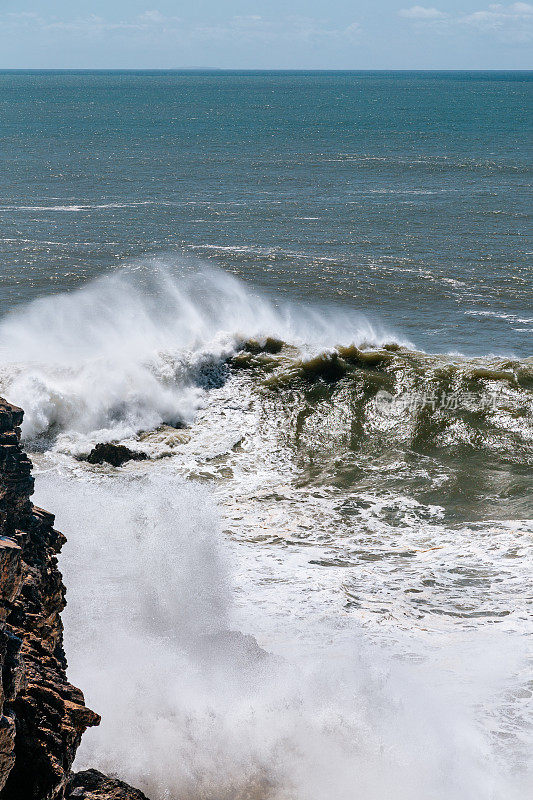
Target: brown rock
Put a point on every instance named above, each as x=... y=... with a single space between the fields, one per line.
x=42 y=716
x=10 y=573
x=92 y=785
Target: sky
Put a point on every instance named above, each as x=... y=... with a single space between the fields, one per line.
x=265 y=34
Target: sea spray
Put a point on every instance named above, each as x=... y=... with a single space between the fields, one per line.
x=190 y=711
x=135 y=348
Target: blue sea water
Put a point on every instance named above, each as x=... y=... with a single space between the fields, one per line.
x=403 y=195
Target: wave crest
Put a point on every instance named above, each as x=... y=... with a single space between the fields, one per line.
x=137 y=348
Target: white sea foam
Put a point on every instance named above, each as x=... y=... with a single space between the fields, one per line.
x=266 y=252
x=132 y=349
x=498 y=315
x=192 y=711
x=84 y=206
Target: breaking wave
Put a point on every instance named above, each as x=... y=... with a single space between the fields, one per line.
x=137 y=347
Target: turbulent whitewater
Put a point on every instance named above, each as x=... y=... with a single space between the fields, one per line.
x=135 y=348
x=317 y=584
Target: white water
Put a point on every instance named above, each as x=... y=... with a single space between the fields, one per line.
x=134 y=348
x=349 y=707
x=188 y=717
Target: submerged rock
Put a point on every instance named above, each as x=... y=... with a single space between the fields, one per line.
x=114 y=454
x=92 y=785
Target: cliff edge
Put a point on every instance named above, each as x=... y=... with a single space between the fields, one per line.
x=42 y=716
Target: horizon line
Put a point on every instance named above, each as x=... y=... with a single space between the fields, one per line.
x=264 y=69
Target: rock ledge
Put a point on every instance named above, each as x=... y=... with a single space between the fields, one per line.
x=42 y=716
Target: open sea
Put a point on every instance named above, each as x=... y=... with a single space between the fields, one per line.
x=308 y=298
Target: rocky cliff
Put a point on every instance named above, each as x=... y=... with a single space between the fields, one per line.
x=42 y=716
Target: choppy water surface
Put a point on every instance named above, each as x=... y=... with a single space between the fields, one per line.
x=311 y=309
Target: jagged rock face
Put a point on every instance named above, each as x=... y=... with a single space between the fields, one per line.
x=92 y=785
x=42 y=716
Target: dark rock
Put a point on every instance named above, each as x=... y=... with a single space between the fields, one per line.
x=114 y=454
x=42 y=716
x=92 y=785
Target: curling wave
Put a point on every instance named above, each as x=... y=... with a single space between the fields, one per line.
x=138 y=347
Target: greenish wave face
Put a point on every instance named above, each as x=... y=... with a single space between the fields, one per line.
x=457 y=432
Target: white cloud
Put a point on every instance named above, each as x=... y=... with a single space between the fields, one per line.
x=352 y=29
x=152 y=16
x=523 y=8
x=421 y=13
x=499 y=14
x=513 y=22
x=243 y=28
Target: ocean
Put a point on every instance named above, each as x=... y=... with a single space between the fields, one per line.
x=307 y=297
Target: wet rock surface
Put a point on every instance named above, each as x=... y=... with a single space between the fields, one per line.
x=42 y=716
x=92 y=785
x=114 y=454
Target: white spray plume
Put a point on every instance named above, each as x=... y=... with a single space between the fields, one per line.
x=128 y=351
x=193 y=712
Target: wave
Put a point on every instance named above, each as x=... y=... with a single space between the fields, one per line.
x=85 y=206
x=311 y=442
x=267 y=252
x=447 y=430
x=498 y=315
x=287 y=365
x=138 y=347
x=438 y=163
x=143 y=348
